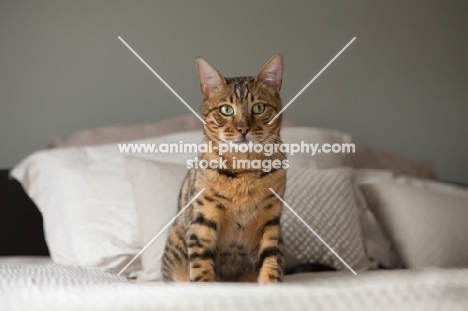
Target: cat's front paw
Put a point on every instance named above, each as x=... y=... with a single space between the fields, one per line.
x=201 y=278
x=268 y=276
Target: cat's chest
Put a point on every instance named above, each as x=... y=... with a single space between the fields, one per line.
x=238 y=229
x=243 y=191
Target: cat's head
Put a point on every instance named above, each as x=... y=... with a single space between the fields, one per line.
x=238 y=109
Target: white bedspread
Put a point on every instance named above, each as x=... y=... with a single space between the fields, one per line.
x=38 y=284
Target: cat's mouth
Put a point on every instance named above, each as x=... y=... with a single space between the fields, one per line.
x=243 y=140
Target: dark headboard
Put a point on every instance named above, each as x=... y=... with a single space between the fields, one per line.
x=21 y=230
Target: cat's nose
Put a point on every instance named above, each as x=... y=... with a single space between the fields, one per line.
x=243 y=130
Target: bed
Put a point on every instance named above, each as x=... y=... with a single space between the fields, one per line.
x=36 y=283
x=57 y=271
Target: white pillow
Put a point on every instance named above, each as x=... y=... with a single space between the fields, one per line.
x=156 y=187
x=434 y=186
x=87 y=202
x=378 y=245
x=428 y=228
x=325 y=199
x=318 y=136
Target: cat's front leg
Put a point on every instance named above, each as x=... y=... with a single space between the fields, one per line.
x=270 y=253
x=201 y=243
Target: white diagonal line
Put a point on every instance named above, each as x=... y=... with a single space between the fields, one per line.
x=162 y=230
x=315 y=233
x=162 y=80
x=313 y=79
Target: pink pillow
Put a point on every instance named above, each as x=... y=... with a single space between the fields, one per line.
x=110 y=134
x=365 y=156
x=369 y=157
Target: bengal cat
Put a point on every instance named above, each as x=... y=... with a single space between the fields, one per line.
x=232 y=231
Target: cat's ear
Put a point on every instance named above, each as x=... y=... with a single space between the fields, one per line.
x=272 y=74
x=210 y=78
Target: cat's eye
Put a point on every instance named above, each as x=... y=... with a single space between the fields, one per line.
x=258 y=108
x=226 y=110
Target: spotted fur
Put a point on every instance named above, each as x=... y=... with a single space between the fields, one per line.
x=232 y=231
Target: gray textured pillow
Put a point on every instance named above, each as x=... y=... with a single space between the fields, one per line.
x=326 y=200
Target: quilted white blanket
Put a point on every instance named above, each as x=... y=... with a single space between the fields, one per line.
x=38 y=284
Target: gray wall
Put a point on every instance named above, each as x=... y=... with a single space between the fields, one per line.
x=401 y=86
